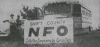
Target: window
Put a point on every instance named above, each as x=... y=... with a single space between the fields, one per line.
x=77 y=8
x=83 y=12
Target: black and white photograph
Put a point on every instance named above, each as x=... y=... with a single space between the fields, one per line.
x=49 y=23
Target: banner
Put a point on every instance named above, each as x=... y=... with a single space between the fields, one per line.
x=48 y=31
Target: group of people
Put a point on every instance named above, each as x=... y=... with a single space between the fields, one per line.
x=15 y=28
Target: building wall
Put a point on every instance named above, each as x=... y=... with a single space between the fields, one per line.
x=86 y=18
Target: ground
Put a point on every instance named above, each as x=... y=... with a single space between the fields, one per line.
x=91 y=39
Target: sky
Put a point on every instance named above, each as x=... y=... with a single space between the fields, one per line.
x=8 y=7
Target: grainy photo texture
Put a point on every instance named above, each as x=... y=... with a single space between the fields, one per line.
x=49 y=23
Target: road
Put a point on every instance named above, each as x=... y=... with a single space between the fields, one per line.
x=91 y=39
x=88 y=40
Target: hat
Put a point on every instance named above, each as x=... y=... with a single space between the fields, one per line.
x=18 y=15
x=11 y=15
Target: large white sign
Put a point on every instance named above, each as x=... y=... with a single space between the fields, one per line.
x=48 y=31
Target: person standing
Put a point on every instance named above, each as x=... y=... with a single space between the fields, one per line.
x=19 y=29
x=90 y=28
x=12 y=27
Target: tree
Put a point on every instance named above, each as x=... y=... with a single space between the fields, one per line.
x=29 y=14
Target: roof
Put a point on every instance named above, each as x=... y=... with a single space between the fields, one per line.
x=67 y=2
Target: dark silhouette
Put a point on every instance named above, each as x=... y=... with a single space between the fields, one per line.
x=29 y=14
x=19 y=29
x=89 y=28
